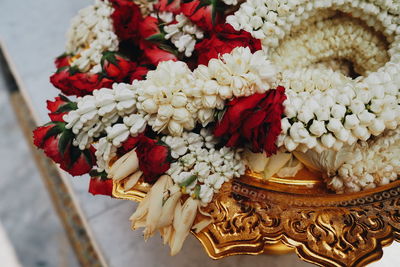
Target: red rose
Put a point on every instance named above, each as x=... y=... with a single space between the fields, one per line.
x=173 y=6
x=201 y=16
x=126 y=19
x=116 y=67
x=155 y=54
x=154 y=158
x=99 y=186
x=56 y=142
x=149 y=27
x=62 y=61
x=254 y=120
x=75 y=83
x=139 y=73
x=59 y=107
x=129 y=144
x=224 y=40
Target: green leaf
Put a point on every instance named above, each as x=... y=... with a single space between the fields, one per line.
x=197 y=191
x=65 y=139
x=73 y=70
x=67 y=107
x=110 y=57
x=88 y=156
x=170 y=2
x=156 y=38
x=95 y=173
x=188 y=181
x=64 y=98
x=75 y=153
x=56 y=130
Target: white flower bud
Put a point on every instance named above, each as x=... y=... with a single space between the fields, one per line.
x=290 y=144
x=334 y=125
x=181 y=115
x=343 y=135
x=285 y=125
x=318 y=128
x=351 y=121
x=149 y=106
x=361 y=132
x=357 y=106
x=323 y=114
x=376 y=127
x=178 y=101
x=338 y=111
x=165 y=112
x=305 y=115
x=328 y=140
x=175 y=128
x=206 y=116
x=365 y=117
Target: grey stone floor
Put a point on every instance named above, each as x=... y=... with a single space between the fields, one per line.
x=25 y=208
x=33 y=32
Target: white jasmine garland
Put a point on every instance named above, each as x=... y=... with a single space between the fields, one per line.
x=236 y=74
x=91 y=34
x=170 y=98
x=279 y=17
x=198 y=161
x=370 y=164
x=98 y=111
x=183 y=34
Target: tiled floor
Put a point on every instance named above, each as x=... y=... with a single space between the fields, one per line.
x=25 y=208
x=33 y=31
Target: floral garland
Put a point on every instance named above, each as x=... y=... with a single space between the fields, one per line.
x=187 y=95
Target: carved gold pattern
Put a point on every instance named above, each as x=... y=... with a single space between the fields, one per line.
x=251 y=217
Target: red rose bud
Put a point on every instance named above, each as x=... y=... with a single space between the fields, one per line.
x=63 y=61
x=71 y=82
x=154 y=159
x=59 y=107
x=139 y=73
x=126 y=19
x=156 y=54
x=116 y=67
x=56 y=142
x=77 y=162
x=173 y=6
x=203 y=15
x=224 y=40
x=149 y=27
x=253 y=120
x=99 y=186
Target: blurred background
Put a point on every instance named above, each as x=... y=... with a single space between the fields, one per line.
x=32 y=231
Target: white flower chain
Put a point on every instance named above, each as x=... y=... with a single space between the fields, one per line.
x=198 y=161
x=98 y=111
x=183 y=34
x=371 y=164
x=270 y=20
x=91 y=34
x=175 y=99
x=333 y=38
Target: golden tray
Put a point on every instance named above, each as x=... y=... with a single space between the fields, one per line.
x=253 y=216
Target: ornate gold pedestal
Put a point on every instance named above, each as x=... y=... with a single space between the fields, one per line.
x=298 y=214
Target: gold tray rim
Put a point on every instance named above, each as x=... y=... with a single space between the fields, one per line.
x=219 y=245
